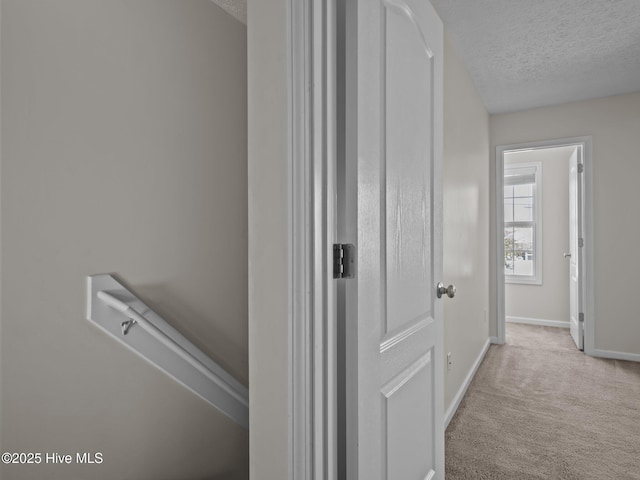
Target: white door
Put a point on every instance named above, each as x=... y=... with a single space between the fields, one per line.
x=575 y=250
x=394 y=331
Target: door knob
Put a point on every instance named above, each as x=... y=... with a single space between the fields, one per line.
x=450 y=290
x=566 y=255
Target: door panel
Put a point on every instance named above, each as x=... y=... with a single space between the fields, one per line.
x=408 y=68
x=393 y=320
x=407 y=433
x=575 y=260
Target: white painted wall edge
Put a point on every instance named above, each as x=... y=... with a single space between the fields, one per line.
x=631 y=357
x=538 y=321
x=494 y=340
x=455 y=403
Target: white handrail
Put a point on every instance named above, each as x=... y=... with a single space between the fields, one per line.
x=164 y=346
x=150 y=328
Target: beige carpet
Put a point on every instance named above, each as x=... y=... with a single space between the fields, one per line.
x=540 y=409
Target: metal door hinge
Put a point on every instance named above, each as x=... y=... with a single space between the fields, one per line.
x=581 y=242
x=580 y=167
x=344 y=260
x=581 y=317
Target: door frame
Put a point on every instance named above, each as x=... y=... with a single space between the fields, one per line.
x=312 y=371
x=587 y=251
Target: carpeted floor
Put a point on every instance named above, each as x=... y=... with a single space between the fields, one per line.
x=540 y=409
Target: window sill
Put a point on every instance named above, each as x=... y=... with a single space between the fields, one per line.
x=522 y=280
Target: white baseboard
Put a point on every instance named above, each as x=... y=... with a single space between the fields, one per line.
x=455 y=403
x=631 y=357
x=538 y=321
x=494 y=340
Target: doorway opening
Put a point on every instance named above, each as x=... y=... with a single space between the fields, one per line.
x=543 y=220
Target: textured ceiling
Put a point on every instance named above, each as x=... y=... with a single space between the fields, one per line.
x=529 y=53
x=237 y=8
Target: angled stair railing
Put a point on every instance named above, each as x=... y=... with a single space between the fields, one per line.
x=116 y=310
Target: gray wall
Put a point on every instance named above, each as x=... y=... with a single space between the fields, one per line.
x=124 y=150
x=614 y=123
x=549 y=301
x=268 y=240
x=466 y=220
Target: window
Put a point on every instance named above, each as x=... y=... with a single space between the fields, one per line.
x=523 y=223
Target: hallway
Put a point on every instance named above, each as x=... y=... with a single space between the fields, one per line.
x=539 y=408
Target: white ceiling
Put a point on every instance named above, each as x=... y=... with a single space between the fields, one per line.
x=529 y=53
x=237 y=8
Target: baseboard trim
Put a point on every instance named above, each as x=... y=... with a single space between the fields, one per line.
x=631 y=357
x=538 y=321
x=494 y=340
x=455 y=403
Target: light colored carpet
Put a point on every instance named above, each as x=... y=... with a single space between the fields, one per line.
x=540 y=409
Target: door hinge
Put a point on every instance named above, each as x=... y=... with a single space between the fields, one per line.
x=580 y=167
x=581 y=242
x=581 y=317
x=344 y=260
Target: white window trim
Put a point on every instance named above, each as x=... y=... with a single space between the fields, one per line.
x=535 y=279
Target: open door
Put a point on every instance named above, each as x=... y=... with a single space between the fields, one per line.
x=576 y=241
x=393 y=316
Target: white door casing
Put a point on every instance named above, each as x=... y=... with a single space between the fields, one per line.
x=575 y=250
x=393 y=319
x=586 y=253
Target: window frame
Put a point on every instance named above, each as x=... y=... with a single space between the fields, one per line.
x=536 y=278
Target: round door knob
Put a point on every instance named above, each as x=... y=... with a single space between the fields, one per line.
x=450 y=290
x=566 y=255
